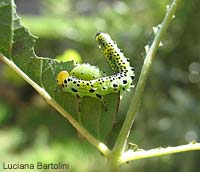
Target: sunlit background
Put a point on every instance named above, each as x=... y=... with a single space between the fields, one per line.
x=32 y=131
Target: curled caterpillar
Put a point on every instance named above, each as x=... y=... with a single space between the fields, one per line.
x=101 y=86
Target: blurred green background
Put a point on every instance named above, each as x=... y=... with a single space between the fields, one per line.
x=31 y=131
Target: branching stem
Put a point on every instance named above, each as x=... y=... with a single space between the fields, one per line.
x=130 y=117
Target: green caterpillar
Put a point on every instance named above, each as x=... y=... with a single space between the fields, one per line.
x=86 y=72
x=100 y=86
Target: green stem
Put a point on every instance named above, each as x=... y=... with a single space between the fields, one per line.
x=141 y=154
x=99 y=145
x=124 y=133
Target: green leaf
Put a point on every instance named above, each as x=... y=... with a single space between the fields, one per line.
x=96 y=118
x=17 y=44
x=6 y=30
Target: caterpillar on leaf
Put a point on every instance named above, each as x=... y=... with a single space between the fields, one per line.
x=85 y=80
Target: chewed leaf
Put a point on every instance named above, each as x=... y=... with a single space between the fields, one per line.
x=17 y=44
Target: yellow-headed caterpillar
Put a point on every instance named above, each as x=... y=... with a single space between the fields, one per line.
x=99 y=86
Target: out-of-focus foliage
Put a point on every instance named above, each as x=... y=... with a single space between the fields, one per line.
x=170 y=110
x=70 y=55
x=11 y=77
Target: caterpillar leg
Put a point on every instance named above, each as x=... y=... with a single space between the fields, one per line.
x=101 y=98
x=79 y=102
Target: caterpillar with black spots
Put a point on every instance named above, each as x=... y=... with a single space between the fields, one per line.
x=92 y=82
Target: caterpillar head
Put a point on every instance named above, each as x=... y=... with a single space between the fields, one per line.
x=102 y=39
x=61 y=77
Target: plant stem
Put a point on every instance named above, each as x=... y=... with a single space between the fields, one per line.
x=124 y=133
x=100 y=146
x=131 y=155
